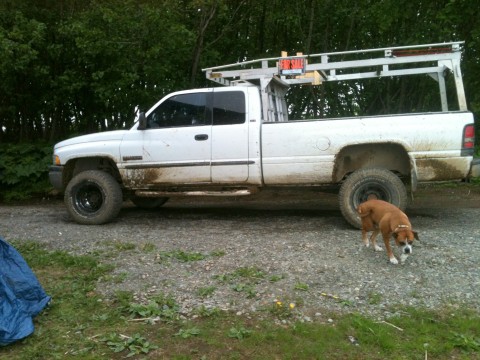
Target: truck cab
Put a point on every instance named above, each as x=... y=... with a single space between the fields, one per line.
x=204 y=136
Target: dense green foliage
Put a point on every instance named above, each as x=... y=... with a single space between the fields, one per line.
x=23 y=170
x=71 y=67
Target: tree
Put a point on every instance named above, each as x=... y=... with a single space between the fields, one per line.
x=71 y=67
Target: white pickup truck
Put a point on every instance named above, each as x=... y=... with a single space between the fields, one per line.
x=236 y=140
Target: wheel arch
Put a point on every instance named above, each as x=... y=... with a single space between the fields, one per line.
x=390 y=156
x=78 y=165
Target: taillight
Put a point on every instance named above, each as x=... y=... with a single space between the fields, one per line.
x=469 y=137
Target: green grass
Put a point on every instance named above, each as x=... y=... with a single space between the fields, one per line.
x=184 y=256
x=79 y=323
x=206 y=291
x=301 y=286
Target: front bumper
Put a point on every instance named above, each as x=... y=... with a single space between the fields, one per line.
x=475 y=168
x=55 y=175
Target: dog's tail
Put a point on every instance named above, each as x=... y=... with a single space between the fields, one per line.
x=363 y=211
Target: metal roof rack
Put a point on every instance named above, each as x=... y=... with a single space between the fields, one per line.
x=432 y=59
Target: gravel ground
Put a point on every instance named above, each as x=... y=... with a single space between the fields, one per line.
x=277 y=246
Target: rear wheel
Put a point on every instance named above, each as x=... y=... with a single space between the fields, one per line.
x=93 y=197
x=366 y=184
x=148 y=202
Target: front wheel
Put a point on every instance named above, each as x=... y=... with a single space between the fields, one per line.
x=93 y=197
x=366 y=184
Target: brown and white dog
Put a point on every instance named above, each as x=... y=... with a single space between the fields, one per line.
x=381 y=216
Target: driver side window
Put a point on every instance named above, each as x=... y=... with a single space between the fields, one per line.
x=179 y=111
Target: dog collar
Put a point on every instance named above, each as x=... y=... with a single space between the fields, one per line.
x=401 y=227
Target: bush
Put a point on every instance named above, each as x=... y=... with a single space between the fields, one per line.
x=24 y=170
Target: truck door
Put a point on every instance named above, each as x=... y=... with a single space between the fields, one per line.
x=176 y=146
x=230 y=158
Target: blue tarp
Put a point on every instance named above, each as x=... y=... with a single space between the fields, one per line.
x=21 y=295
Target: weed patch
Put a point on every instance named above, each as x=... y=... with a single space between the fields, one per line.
x=239 y=333
x=188 y=333
x=206 y=291
x=185 y=256
x=243 y=280
x=282 y=310
x=161 y=308
x=301 y=286
x=132 y=345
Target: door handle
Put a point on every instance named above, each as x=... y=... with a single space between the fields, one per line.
x=201 y=137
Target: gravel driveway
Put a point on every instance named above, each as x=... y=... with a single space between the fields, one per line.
x=244 y=254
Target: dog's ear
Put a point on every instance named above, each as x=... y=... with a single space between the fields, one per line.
x=415 y=235
x=395 y=235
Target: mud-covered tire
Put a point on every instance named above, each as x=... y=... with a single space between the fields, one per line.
x=93 y=197
x=365 y=184
x=148 y=202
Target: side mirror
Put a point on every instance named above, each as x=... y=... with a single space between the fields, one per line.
x=142 y=121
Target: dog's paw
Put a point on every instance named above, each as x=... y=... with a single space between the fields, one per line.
x=378 y=248
x=403 y=257
x=393 y=261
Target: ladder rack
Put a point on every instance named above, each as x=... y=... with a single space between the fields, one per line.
x=270 y=75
